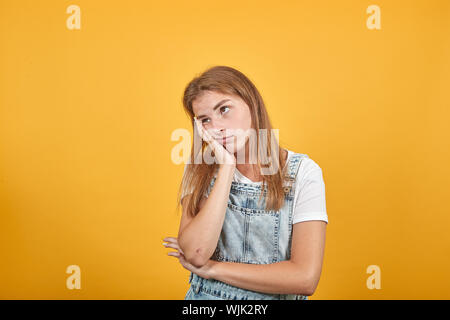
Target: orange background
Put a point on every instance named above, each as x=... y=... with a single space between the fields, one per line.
x=86 y=116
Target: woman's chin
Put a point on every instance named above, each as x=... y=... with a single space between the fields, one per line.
x=230 y=147
x=235 y=150
x=233 y=147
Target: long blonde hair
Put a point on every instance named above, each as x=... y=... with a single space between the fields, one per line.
x=197 y=176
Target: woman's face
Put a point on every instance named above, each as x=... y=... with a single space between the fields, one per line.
x=224 y=115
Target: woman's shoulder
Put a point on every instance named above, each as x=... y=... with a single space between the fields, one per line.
x=307 y=163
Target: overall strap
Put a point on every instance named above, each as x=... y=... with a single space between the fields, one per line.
x=292 y=169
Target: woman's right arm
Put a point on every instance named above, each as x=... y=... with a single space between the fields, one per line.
x=198 y=236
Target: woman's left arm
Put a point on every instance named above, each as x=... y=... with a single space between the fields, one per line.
x=299 y=275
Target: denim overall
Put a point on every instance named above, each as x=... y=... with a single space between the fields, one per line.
x=251 y=234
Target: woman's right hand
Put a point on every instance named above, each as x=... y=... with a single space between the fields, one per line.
x=222 y=155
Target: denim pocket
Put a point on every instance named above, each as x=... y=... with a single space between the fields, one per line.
x=249 y=235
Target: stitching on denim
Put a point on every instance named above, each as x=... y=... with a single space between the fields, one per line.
x=245 y=242
x=251 y=211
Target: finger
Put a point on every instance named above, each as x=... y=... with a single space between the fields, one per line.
x=213 y=142
x=174 y=254
x=174 y=246
x=184 y=263
x=172 y=243
x=210 y=135
x=203 y=132
x=198 y=125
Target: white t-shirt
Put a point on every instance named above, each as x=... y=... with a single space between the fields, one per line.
x=309 y=197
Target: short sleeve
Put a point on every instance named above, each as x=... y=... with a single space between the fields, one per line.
x=309 y=199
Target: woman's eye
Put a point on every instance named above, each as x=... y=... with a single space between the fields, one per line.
x=225 y=107
x=221 y=108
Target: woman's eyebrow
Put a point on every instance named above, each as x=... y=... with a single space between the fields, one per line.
x=215 y=107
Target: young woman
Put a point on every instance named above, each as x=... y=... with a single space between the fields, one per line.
x=246 y=234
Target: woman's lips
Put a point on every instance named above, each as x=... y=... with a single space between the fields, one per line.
x=225 y=140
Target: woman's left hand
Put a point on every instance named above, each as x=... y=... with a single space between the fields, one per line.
x=206 y=271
